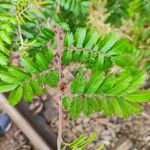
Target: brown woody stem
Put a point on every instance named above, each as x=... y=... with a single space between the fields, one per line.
x=59 y=40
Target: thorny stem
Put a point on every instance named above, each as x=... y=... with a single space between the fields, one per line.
x=59 y=54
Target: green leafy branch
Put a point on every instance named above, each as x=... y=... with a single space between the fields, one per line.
x=81 y=142
x=99 y=88
x=30 y=80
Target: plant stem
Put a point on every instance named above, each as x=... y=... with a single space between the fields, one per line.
x=20 y=34
x=58 y=6
x=59 y=54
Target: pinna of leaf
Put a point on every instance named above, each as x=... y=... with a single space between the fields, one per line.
x=111 y=94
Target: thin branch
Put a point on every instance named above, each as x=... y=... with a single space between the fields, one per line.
x=88 y=50
x=59 y=40
x=58 y=6
x=20 y=34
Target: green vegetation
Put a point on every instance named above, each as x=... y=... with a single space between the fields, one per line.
x=28 y=34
